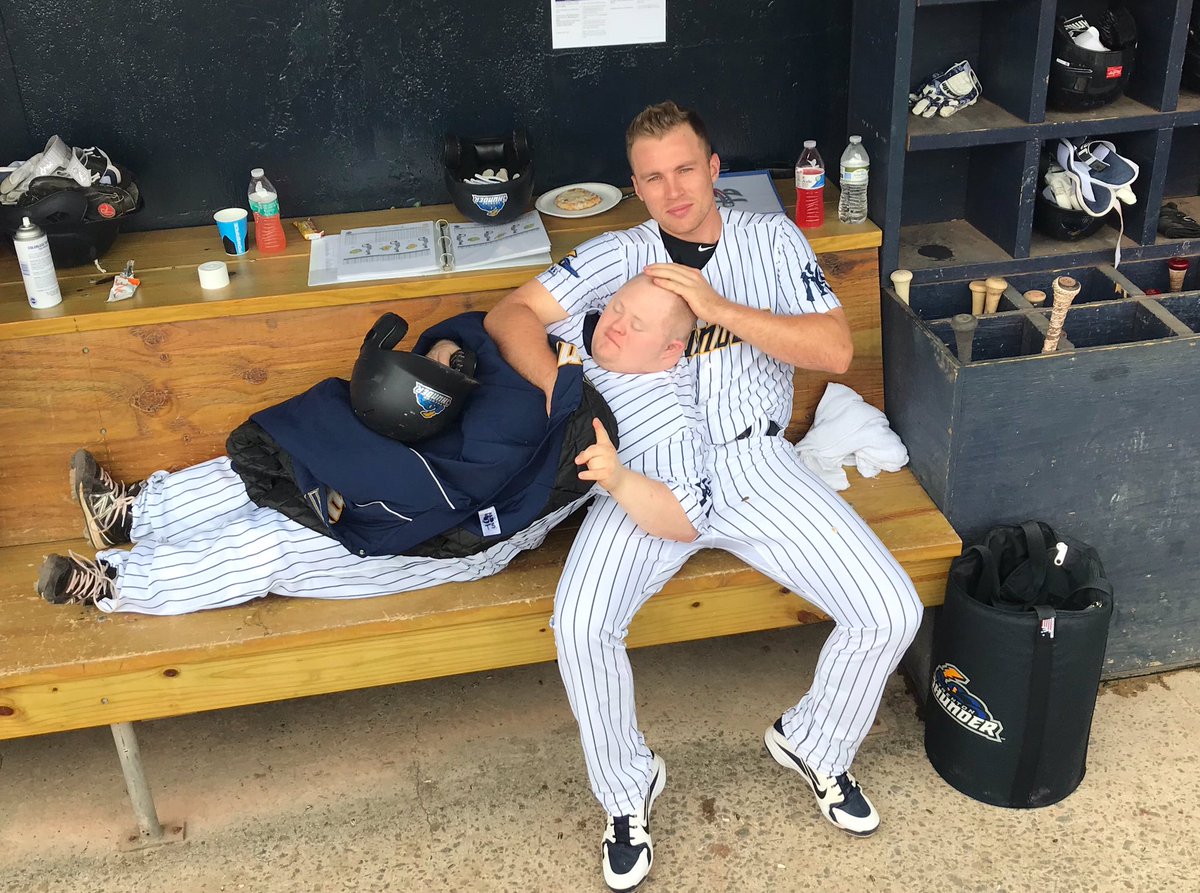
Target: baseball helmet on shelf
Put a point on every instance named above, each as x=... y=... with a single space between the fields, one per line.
x=1062 y=224
x=1091 y=61
x=80 y=222
x=406 y=396
x=491 y=198
x=1053 y=220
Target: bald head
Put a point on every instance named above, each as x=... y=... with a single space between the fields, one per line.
x=644 y=328
x=679 y=320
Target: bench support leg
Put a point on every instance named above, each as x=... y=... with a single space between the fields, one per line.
x=150 y=831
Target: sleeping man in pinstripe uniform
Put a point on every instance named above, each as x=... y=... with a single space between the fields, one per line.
x=201 y=542
x=764 y=309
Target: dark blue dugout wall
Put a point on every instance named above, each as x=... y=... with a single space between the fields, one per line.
x=345 y=102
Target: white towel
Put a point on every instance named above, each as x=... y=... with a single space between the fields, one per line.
x=848 y=431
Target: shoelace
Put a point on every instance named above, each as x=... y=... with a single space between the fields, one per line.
x=112 y=505
x=625 y=828
x=621 y=830
x=850 y=790
x=88 y=580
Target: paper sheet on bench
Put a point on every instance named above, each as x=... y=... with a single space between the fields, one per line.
x=326 y=252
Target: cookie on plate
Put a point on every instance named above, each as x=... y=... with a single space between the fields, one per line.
x=577 y=199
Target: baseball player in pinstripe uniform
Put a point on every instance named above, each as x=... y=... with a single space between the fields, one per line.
x=200 y=542
x=764 y=308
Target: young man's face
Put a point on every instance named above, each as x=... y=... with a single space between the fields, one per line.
x=634 y=331
x=674 y=177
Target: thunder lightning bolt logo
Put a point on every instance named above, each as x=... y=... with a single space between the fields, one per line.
x=431 y=402
x=949 y=687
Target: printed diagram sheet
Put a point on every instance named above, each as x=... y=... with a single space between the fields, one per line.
x=391 y=249
x=600 y=23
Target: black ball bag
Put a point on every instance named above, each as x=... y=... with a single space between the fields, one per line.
x=1016 y=664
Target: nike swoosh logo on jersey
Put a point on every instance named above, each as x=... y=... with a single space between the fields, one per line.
x=706 y=247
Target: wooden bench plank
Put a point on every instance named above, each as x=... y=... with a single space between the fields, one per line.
x=73 y=667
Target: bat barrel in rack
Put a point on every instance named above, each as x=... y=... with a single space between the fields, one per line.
x=1065 y=290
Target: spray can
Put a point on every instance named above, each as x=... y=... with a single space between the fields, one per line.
x=37 y=266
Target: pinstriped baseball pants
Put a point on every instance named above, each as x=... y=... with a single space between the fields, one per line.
x=199 y=543
x=778 y=517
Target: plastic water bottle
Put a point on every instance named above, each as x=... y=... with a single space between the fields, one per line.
x=264 y=202
x=37 y=265
x=855 y=172
x=810 y=187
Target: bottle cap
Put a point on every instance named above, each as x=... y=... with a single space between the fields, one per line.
x=810 y=144
x=856 y=139
x=257 y=172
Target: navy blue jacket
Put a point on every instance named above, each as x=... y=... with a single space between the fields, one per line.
x=503 y=453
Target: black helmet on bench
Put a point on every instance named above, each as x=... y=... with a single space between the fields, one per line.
x=402 y=395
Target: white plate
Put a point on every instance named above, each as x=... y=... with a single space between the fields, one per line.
x=609 y=196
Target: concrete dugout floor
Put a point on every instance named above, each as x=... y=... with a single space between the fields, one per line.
x=477 y=783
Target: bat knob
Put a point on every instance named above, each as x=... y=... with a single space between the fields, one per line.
x=900 y=281
x=964 y=325
x=1066 y=286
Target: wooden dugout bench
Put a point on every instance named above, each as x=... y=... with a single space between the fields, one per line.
x=158 y=382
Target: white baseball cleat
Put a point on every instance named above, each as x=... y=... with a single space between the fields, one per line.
x=840 y=798
x=627 y=850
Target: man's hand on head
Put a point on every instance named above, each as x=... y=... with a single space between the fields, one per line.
x=442 y=351
x=690 y=285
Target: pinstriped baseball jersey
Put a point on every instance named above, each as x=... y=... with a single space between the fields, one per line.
x=765 y=507
x=738 y=386
x=658 y=419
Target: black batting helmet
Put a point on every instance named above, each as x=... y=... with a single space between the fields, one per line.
x=402 y=395
x=464 y=158
x=1083 y=78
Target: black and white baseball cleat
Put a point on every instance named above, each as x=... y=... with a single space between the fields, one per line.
x=839 y=797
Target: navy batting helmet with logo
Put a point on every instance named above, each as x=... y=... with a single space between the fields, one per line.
x=489 y=199
x=406 y=396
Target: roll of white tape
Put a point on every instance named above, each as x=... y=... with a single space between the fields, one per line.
x=213 y=274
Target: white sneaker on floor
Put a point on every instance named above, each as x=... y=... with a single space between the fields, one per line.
x=627 y=852
x=840 y=798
